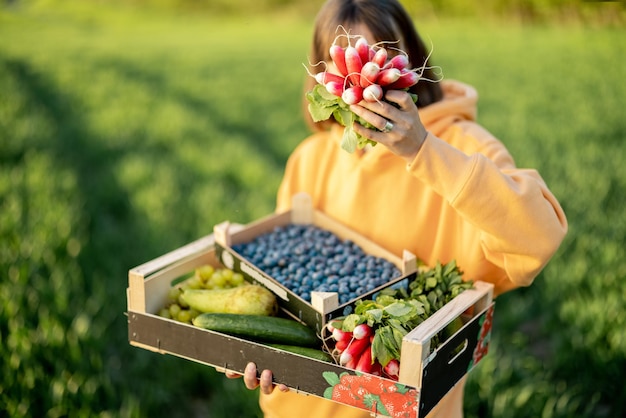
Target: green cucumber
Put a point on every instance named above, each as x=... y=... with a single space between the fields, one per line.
x=261 y=328
x=313 y=353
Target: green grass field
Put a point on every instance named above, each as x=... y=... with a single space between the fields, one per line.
x=124 y=135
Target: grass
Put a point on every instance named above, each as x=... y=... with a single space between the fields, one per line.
x=125 y=135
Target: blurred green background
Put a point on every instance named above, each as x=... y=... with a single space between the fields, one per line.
x=130 y=128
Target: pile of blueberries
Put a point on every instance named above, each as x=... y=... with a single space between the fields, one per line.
x=306 y=258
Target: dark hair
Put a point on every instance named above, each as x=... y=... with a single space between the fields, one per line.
x=387 y=21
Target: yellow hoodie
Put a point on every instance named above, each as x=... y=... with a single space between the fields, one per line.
x=461 y=198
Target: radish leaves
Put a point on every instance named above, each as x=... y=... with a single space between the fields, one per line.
x=323 y=105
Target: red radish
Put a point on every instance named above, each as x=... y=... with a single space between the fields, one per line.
x=341 y=345
x=354 y=350
x=352 y=95
x=392 y=368
x=388 y=76
x=353 y=65
x=334 y=88
x=380 y=57
x=363 y=49
x=372 y=94
x=324 y=77
x=332 y=325
x=352 y=363
x=377 y=369
x=369 y=72
x=338 y=55
x=407 y=79
x=362 y=330
x=365 y=361
x=372 y=54
x=340 y=335
x=399 y=61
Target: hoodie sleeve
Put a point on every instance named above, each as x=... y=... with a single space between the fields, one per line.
x=520 y=221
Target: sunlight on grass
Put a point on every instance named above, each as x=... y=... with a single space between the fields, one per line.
x=127 y=134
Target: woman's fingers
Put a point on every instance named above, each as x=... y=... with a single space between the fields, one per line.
x=373 y=113
x=401 y=98
x=379 y=113
x=249 y=376
x=264 y=382
x=399 y=128
x=232 y=375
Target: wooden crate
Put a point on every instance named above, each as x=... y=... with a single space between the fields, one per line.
x=426 y=373
x=324 y=305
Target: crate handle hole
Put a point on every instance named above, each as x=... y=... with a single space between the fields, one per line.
x=457 y=351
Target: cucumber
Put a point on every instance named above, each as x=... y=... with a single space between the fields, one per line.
x=267 y=329
x=313 y=353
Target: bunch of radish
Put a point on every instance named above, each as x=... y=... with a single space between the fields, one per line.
x=355 y=351
x=366 y=72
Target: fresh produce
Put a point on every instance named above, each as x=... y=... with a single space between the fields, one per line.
x=203 y=277
x=267 y=329
x=306 y=258
x=249 y=299
x=370 y=339
x=365 y=72
x=210 y=277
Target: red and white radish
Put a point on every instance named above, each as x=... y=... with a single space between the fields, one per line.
x=372 y=54
x=325 y=77
x=352 y=95
x=340 y=346
x=338 y=55
x=352 y=363
x=358 y=73
x=362 y=331
x=365 y=364
x=407 y=79
x=369 y=73
x=354 y=350
x=392 y=369
x=399 y=61
x=380 y=57
x=373 y=93
x=377 y=369
x=340 y=335
x=388 y=76
x=330 y=327
x=354 y=64
x=335 y=88
x=363 y=48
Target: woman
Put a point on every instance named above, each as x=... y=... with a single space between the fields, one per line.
x=436 y=184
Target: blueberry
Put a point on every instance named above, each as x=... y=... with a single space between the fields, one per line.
x=322 y=288
x=305 y=257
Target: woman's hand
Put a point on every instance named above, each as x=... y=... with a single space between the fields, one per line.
x=405 y=134
x=251 y=381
